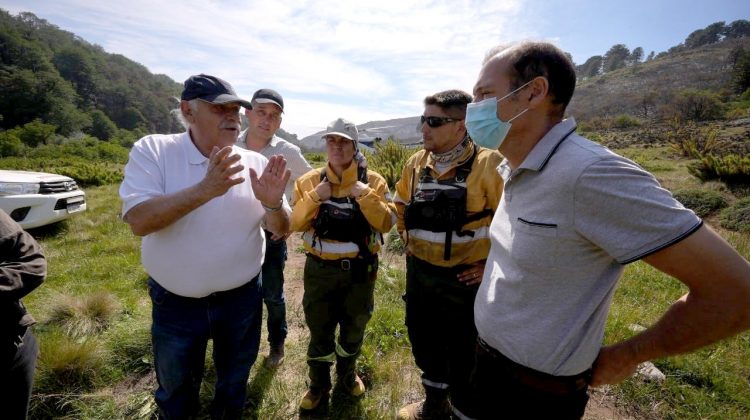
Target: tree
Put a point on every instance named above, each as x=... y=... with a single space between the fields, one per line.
x=591 y=68
x=650 y=56
x=35 y=133
x=616 y=58
x=738 y=29
x=711 y=34
x=76 y=66
x=648 y=102
x=636 y=56
x=101 y=126
x=740 y=70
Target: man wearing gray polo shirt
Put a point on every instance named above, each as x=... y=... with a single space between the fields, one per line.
x=571 y=216
x=264 y=119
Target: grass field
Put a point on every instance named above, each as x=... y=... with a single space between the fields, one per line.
x=94 y=318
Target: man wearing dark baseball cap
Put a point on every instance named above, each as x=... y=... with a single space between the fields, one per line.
x=211 y=89
x=264 y=119
x=202 y=246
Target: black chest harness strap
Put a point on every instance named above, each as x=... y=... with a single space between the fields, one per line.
x=440 y=205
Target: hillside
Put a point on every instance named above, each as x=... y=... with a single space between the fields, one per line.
x=404 y=130
x=646 y=90
x=55 y=76
x=640 y=90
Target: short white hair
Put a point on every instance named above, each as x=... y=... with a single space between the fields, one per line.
x=177 y=112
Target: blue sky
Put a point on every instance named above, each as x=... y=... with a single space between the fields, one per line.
x=363 y=60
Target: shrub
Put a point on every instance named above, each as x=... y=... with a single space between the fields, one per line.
x=315 y=159
x=35 y=133
x=388 y=160
x=688 y=141
x=626 y=121
x=733 y=169
x=702 y=202
x=698 y=105
x=737 y=216
x=83 y=171
x=10 y=144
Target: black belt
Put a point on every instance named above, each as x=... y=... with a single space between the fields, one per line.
x=560 y=385
x=344 y=264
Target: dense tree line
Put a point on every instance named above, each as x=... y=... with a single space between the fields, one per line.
x=619 y=56
x=51 y=75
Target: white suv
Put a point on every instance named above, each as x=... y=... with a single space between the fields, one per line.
x=36 y=199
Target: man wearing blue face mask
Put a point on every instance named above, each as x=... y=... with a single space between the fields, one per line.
x=571 y=216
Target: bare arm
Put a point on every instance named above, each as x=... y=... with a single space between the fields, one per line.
x=717 y=305
x=159 y=212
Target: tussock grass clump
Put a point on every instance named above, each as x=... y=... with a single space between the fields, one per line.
x=68 y=365
x=737 y=216
x=83 y=316
x=702 y=202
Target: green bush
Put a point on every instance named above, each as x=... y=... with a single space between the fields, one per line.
x=10 y=144
x=316 y=160
x=626 y=121
x=733 y=169
x=388 y=160
x=737 y=216
x=698 y=105
x=83 y=171
x=702 y=202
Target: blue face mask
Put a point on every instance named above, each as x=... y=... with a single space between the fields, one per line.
x=483 y=124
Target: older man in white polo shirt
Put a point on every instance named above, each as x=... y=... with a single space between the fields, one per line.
x=203 y=245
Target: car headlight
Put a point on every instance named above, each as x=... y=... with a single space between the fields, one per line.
x=18 y=188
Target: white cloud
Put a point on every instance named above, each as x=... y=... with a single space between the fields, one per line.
x=360 y=60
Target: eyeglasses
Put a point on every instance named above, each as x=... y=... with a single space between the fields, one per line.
x=435 y=122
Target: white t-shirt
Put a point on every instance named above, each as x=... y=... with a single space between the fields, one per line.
x=218 y=246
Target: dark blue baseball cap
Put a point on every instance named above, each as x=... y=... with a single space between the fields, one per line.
x=211 y=89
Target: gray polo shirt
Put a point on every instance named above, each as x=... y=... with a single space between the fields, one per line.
x=295 y=162
x=571 y=215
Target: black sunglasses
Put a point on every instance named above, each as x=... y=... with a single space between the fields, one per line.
x=435 y=122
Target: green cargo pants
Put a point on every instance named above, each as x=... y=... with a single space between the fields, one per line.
x=337 y=293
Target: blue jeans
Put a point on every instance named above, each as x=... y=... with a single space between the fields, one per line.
x=273 y=289
x=180 y=332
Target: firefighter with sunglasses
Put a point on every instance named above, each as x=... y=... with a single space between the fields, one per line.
x=342 y=209
x=445 y=200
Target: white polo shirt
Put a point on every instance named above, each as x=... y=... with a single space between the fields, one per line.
x=571 y=215
x=218 y=246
